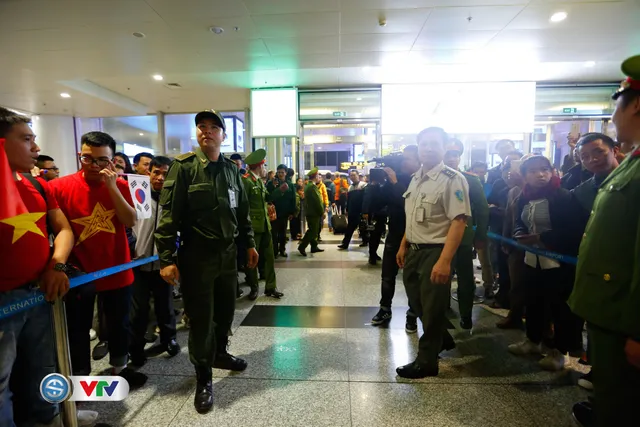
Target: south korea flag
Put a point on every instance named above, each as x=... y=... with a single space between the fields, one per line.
x=140 y=188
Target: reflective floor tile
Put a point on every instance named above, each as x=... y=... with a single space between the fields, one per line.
x=357 y=293
x=311 y=291
x=155 y=404
x=436 y=405
x=296 y=316
x=272 y=403
x=294 y=277
x=292 y=353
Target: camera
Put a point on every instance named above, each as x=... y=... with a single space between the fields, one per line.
x=393 y=161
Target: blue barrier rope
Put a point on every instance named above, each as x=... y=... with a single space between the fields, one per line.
x=558 y=257
x=18 y=306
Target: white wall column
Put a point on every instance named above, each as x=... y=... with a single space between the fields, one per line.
x=56 y=137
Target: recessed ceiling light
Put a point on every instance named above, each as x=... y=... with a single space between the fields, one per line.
x=65 y=95
x=139 y=35
x=141 y=134
x=358 y=99
x=558 y=16
x=366 y=68
x=158 y=77
x=216 y=30
x=590 y=64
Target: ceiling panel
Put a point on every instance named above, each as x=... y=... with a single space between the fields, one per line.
x=200 y=26
x=398 y=21
x=453 y=40
x=579 y=15
x=412 y=4
x=471 y=18
x=262 y=7
x=172 y=10
x=376 y=42
x=442 y=56
x=303 y=45
x=298 y=25
x=289 y=62
x=372 y=59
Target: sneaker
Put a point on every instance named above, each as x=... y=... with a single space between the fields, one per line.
x=92 y=335
x=525 y=347
x=583 y=414
x=554 y=361
x=100 y=350
x=585 y=381
x=411 y=325
x=382 y=317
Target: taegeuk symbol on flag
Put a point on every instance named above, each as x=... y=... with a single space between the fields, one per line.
x=140 y=188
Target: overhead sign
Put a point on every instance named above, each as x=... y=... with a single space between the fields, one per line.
x=569 y=110
x=352 y=165
x=339 y=114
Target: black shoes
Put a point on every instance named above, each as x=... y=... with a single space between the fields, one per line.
x=383 y=316
x=135 y=379
x=372 y=261
x=239 y=294
x=465 y=323
x=447 y=342
x=583 y=414
x=172 y=348
x=363 y=245
x=411 y=325
x=302 y=251
x=274 y=293
x=283 y=254
x=253 y=295
x=414 y=371
x=203 y=400
x=343 y=246
x=137 y=359
x=316 y=250
x=100 y=350
x=228 y=362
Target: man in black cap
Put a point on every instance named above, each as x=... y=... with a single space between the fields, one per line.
x=283 y=196
x=204 y=200
x=237 y=159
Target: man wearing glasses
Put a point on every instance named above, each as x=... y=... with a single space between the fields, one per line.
x=47 y=166
x=98 y=205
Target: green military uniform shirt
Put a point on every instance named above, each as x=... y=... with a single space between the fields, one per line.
x=313 y=205
x=607 y=287
x=205 y=202
x=284 y=201
x=479 y=212
x=257 y=195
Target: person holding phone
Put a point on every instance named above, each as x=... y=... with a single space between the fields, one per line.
x=545 y=220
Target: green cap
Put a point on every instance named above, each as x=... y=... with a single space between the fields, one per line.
x=256 y=157
x=631 y=68
x=213 y=115
x=313 y=172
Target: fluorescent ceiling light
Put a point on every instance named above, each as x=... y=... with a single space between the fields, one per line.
x=141 y=134
x=158 y=77
x=590 y=64
x=558 y=17
x=358 y=99
x=65 y=95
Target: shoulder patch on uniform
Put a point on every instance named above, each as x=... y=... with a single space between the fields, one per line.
x=459 y=195
x=185 y=156
x=635 y=153
x=448 y=172
x=229 y=161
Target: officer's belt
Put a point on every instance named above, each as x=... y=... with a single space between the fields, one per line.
x=418 y=246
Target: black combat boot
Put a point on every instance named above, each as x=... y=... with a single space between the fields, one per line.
x=204 y=390
x=226 y=361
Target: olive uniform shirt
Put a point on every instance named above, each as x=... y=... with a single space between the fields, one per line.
x=432 y=201
x=257 y=195
x=478 y=224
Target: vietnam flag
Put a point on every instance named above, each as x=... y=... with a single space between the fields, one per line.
x=13 y=211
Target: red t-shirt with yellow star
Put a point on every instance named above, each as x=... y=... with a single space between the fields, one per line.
x=24 y=241
x=101 y=240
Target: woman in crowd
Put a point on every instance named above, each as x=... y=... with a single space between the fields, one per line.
x=295 y=225
x=544 y=220
x=122 y=160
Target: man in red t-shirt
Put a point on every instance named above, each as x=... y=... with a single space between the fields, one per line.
x=26 y=262
x=99 y=207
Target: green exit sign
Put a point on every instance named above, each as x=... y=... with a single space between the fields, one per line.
x=569 y=110
x=339 y=114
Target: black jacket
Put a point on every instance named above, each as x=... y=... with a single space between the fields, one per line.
x=498 y=198
x=355 y=199
x=494 y=174
x=373 y=203
x=576 y=176
x=566 y=232
x=393 y=195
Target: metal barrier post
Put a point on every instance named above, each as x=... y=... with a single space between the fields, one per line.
x=69 y=414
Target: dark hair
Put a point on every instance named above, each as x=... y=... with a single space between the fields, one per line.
x=503 y=142
x=328 y=175
x=235 y=156
x=8 y=119
x=524 y=165
x=290 y=172
x=43 y=158
x=137 y=157
x=412 y=149
x=627 y=97
x=479 y=165
x=159 y=161
x=98 y=139
x=515 y=153
x=443 y=135
x=594 y=136
x=128 y=168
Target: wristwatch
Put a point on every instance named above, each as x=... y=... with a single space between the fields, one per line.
x=60 y=267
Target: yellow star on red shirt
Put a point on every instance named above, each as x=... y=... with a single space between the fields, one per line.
x=22 y=224
x=99 y=220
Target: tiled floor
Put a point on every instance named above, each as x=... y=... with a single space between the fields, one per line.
x=315 y=360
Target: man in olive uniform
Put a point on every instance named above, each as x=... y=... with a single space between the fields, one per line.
x=283 y=196
x=313 y=211
x=607 y=287
x=257 y=194
x=204 y=200
x=437 y=208
x=480 y=220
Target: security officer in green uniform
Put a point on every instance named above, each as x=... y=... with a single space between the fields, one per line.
x=463 y=263
x=607 y=287
x=282 y=194
x=313 y=211
x=257 y=195
x=204 y=200
x=437 y=207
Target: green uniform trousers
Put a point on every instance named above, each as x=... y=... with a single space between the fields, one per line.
x=428 y=300
x=463 y=266
x=616 y=382
x=208 y=278
x=313 y=231
x=264 y=246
